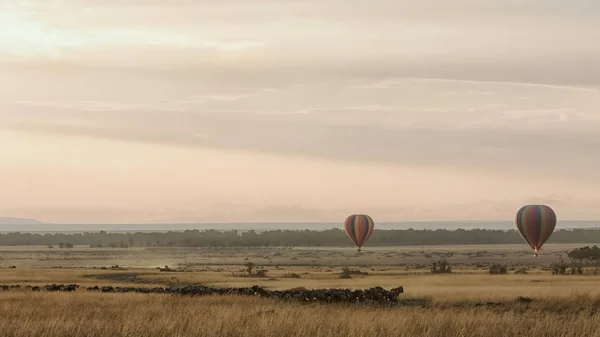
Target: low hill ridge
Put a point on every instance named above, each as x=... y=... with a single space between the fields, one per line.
x=18 y=221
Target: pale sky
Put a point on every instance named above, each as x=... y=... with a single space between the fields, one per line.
x=230 y=110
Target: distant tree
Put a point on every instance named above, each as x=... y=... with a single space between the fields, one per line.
x=585 y=254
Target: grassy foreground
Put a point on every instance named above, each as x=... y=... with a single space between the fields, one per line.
x=84 y=314
x=468 y=302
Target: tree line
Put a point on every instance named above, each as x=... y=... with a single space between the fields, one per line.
x=287 y=238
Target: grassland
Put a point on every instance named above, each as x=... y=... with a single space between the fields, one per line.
x=55 y=315
x=468 y=302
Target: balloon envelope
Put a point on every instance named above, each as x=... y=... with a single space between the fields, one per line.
x=535 y=223
x=359 y=228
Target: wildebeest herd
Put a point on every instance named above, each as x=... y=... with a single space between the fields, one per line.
x=376 y=295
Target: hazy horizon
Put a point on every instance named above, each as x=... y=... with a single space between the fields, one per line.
x=137 y=111
x=266 y=226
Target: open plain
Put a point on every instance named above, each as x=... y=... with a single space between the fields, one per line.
x=528 y=300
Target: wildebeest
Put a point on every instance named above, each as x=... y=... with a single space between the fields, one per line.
x=375 y=295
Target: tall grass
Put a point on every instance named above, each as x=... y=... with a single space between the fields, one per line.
x=24 y=314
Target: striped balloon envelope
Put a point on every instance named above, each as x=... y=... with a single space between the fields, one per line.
x=359 y=228
x=535 y=223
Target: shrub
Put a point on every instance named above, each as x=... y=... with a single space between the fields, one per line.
x=559 y=268
x=441 y=267
x=498 y=269
x=347 y=273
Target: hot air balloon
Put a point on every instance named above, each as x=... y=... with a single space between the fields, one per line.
x=359 y=228
x=535 y=223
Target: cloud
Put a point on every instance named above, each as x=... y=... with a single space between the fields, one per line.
x=497 y=89
x=86 y=105
x=529 y=152
x=528 y=41
x=392 y=120
x=391 y=82
x=223 y=97
x=566 y=207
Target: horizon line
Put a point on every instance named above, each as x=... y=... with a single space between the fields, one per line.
x=272 y=222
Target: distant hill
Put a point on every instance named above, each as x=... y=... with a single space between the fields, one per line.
x=19 y=221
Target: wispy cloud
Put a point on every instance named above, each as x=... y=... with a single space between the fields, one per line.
x=388 y=83
x=401 y=121
x=528 y=42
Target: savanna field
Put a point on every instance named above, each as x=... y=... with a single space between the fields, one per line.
x=531 y=297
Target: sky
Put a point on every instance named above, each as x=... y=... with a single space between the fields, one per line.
x=230 y=110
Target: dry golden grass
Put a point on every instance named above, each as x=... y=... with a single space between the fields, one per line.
x=87 y=314
x=562 y=306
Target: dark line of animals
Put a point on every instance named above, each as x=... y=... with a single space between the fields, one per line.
x=376 y=295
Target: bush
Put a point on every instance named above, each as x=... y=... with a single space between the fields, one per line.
x=576 y=271
x=347 y=273
x=249 y=268
x=559 y=268
x=498 y=269
x=441 y=267
x=249 y=271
